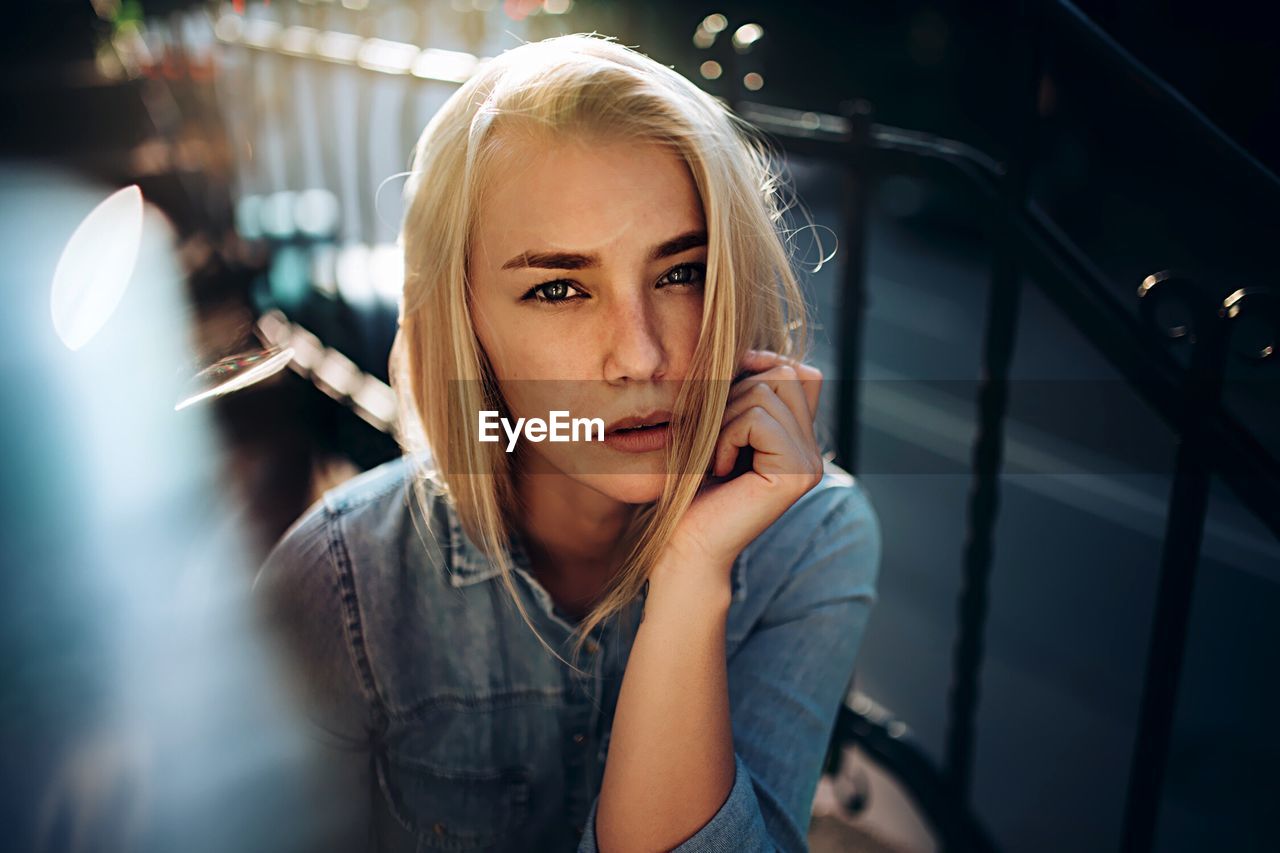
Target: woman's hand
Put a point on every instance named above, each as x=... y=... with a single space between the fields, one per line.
x=769 y=416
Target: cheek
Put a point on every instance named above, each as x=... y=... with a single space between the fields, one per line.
x=519 y=344
x=537 y=352
x=545 y=370
x=682 y=323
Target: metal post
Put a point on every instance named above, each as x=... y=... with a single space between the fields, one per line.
x=853 y=293
x=1188 y=504
x=983 y=506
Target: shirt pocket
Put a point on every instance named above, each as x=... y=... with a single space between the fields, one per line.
x=458 y=809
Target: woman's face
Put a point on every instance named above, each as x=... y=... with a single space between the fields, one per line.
x=587 y=274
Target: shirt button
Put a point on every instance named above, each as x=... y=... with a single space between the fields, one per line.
x=591 y=647
x=578 y=737
x=439 y=828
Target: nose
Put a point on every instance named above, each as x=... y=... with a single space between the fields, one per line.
x=633 y=344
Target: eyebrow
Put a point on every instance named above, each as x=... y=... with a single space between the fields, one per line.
x=577 y=261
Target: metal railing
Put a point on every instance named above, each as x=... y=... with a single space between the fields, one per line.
x=1027 y=241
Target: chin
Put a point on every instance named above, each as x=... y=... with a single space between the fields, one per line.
x=630 y=488
x=632 y=479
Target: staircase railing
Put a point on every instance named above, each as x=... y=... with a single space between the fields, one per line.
x=1027 y=241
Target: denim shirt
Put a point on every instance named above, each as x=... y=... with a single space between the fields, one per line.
x=447 y=726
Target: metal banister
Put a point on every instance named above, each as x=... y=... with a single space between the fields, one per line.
x=1211 y=440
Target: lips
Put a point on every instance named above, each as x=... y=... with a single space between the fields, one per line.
x=654 y=418
x=640 y=440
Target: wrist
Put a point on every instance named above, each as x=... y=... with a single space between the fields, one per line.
x=682 y=579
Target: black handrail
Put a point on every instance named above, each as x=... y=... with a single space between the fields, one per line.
x=1089 y=36
x=1211 y=440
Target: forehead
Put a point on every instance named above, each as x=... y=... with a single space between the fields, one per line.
x=575 y=194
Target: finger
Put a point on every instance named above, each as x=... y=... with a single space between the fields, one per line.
x=810 y=377
x=811 y=381
x=755 y=428
x=786 y=384
x=763 y=394
x=775 y=458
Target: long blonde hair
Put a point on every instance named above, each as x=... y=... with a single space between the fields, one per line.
x=584 y=84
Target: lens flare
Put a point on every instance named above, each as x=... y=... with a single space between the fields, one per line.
x=96 y=266
x=236 y=372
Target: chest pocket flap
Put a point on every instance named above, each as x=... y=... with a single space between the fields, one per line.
x=451 y=809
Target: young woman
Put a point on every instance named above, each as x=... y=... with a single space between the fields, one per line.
x=639 y=643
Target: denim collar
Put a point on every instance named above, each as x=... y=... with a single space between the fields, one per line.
x=469 y=565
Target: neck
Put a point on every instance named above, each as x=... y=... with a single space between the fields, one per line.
x=572 y=531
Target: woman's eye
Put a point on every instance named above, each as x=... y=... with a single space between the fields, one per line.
x=687 y=274
x=551 y=292
x=560 y=292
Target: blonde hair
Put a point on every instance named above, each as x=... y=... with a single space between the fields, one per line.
x=584 y=84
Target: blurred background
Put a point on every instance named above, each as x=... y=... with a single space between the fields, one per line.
x=1038 y=246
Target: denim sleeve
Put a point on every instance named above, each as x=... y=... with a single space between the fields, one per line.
x=788 y=678
x=298 y=599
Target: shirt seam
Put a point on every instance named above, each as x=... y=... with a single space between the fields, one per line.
x=352 y=623
x=341 y=506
